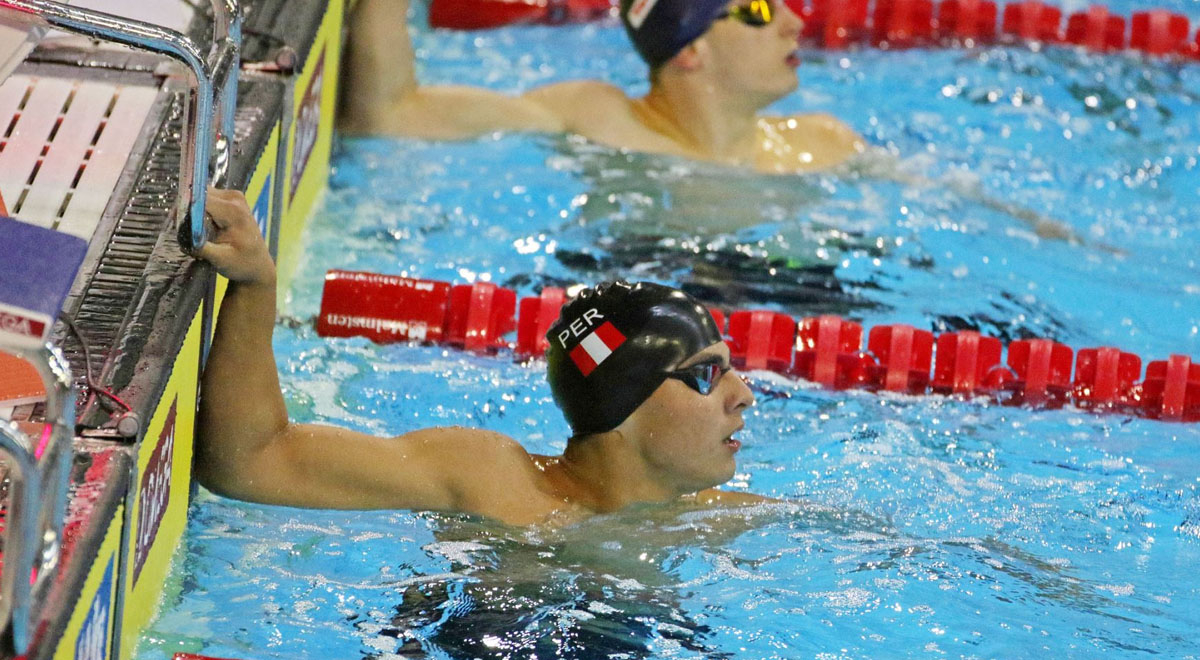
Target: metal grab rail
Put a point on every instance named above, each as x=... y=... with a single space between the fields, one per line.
x=214 y=86
x=37 y=495
x=20 y=535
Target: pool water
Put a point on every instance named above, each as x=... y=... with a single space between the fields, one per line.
x=916 y=526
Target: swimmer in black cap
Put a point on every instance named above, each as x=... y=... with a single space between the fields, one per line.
x=714 y=65
x=640 y=372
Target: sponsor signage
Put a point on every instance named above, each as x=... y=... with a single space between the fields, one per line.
x=93 y=637
x=21 y=323
x=308 y=124
x=36 y=273
x=155 y=493
x=262 y=207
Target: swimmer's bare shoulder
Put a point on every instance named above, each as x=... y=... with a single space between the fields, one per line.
x=495 y=476
x=591 y=108
x=806 y=142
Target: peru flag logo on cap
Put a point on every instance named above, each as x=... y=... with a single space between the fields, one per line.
x=596 y=347
x=638 y=12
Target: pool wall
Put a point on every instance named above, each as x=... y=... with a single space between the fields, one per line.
x=158 y=499
x=130 y=499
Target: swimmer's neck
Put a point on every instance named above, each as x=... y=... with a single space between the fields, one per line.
x=603 y=473
x=707 y=125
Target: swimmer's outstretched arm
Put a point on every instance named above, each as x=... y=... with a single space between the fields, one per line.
x=381 y=95
x=246 y=448
x=879 y=163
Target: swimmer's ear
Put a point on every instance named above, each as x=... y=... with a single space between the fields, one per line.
x=690 y=58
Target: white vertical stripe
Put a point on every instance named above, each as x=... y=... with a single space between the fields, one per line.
x=108 y=160
x=595 y=347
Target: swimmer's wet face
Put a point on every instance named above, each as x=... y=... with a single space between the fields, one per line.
x=754 y=57
x=648 y=361
x=613 y=345
x=687 y=438
x=747 y=47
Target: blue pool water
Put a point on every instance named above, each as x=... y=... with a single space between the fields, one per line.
x=919 y=527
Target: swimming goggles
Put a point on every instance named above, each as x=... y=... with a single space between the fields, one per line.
x=701 y=377
x=756 y=14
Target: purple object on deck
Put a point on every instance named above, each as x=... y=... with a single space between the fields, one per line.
x=37 y=268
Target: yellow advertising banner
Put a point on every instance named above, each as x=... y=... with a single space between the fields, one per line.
x=158 y=499
x=311 y=137
x=89 y=631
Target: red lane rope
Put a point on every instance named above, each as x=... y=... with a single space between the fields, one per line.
x=837 y=24
x=826 y=349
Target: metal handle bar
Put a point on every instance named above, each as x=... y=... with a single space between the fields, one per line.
x=20 y=535
x=215 y=82
x=38 y=497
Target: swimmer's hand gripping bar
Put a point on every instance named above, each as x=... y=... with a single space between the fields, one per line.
x=213 y=92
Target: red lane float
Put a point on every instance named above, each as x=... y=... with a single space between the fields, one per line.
x=973 y=20
x=1159 y=32
x=827 y=352
x=964 y=361
x=761 y=340
x=1172 y=389
x=479 y=316
x=902 y=23
x=1032 y=20
x=825 y=349
x=383 y=308
x=534 y=321
x=1106 y=376
x=837 y=24
x=1042 y=371
x=1096 y=29
x=904 y=355
x=483 y=14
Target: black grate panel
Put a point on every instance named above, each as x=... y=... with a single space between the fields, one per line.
x=111 y=294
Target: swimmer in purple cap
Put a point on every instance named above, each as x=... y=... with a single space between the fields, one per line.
x=714 y=65
x=640 y=372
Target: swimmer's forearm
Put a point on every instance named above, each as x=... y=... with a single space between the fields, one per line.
x=879 y=163
x=379 y=70
x=241 y=406
x=382 y=96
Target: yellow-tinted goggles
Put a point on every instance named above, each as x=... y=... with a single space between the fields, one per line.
x=758 y=13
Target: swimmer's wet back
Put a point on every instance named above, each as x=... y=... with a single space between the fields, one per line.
x=614 y=344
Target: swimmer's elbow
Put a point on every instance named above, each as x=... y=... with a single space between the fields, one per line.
x=237 y=466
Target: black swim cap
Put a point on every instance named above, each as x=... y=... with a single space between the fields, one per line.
x=659 y=29
x=613 y=345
